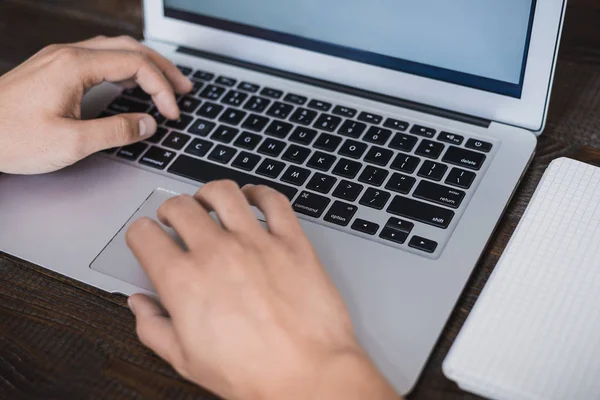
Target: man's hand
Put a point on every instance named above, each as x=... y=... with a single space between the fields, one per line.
x=40 y=102
x=249 y=313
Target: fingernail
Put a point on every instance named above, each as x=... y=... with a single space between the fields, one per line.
x=131 y=306
x=147 y=126
x=248 y=185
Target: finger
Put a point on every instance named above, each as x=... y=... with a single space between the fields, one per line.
x=190 y=220
x=156 y=252
x=230 y=205
x=180 y=83
x=91 y=136
x=156 y=330
x=97 y=66
x=278 y=212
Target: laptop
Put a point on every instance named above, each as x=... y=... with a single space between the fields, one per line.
x=398 y=130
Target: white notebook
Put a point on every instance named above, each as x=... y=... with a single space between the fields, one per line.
x=534 y=332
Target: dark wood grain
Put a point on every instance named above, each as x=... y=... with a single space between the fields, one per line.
x=60 y=339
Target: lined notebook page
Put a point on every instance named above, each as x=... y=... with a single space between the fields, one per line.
x=534 y=333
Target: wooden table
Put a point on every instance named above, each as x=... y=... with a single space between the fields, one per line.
x=60 y=339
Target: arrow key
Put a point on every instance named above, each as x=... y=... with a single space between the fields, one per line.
x=393 y=235
x=360 y=225
x=422 y=244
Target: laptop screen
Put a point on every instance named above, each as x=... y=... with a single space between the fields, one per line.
x=474 y=43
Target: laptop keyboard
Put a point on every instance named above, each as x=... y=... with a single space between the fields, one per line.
x=374 y=176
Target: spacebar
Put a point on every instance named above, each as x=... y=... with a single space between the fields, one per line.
x=204 y=172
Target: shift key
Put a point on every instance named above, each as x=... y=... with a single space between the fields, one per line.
x=422 y=212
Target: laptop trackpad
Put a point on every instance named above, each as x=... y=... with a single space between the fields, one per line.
x=117 y=260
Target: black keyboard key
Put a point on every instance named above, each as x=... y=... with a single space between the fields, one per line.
x=347 y=168
x=222 y=154
x=257 y=104
x=272 y=93
x=352 y=128
x=248 y=87
x=303 y=116
x=341 y=213
x=328 y=142
x=405 y=163
x=138 y=93
x=157 y=158
x=279 y=129
x=132 y=151
x=364 y=226
x=429 y=149
x=202 y=127
x=176 y=141
x=393 y=235
x=210 y=110
x=226 y=81
x=280 y=110
x=328 y=122
x=311 y=204
x=439 y=194
x=247 y=141
x=182 y=123
x=450 y=138
x=375 y=198
x=377 y=135
x=321 y=183
x=460 y=178
x=352 y=148
x=319 y=105
x=370 y=118
x=158 y=136
x=422 y=212
x=158 y=117
x=199 y=147
x=373 y=176
x=295 y=98
x=464 y=158
x=423 y=131
x=401 y=183
x=124 y=106
x=188 y=104
x=202 y=171
x=271 y=147
x=246 y=161
x=344 y=111
x=478 y=145
x=203 y=75
x=232 y=116
x=403 y=142
x=197 y=87
x=255 y=122
x=185 y=70
x=225 y=134
x=396 y=125
x=321 y=161
x=234 y=98
x=212 y=92
x=303 y=135
x=423 y=244
x=295 y=175
x=296 y=154
x=400 y=225
x=347 y=190
x=432 y=170
x=379 y=156
x=270 y=168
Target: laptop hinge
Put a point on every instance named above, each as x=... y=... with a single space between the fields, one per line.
x=440 y=112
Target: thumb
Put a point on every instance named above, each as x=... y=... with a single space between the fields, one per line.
x=116 y=131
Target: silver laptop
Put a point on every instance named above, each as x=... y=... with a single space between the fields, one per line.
x=399 y=131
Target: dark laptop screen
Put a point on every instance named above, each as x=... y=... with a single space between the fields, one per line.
x=480 y=44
